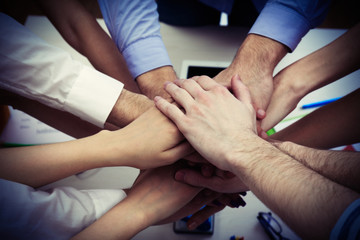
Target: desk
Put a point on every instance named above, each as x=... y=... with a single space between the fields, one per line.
x=216 y=46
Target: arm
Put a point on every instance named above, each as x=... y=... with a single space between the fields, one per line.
x=135 y=28
x=56 y=213
x=338 y=166
x=81 y=30
x=36 y=70
x=161 y=144
x=341 y=130
x=311 y=73
x=254 y=63
x=153 y=197
x=279 y=28
x=54 y=79
x=308 y=202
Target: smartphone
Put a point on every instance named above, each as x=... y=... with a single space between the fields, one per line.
x=206 y=227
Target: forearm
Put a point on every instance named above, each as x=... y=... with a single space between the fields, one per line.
x=254 y=63
x=343 y=125
x=43 y=164
x=325 y=65
x=122 y=222
x=128 y=107
x=308 y=202
x=80 y=29
x=260 y=53
x=152 y=83
x=339 y=166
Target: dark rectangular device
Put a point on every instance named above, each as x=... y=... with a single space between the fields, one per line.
x=206 y=227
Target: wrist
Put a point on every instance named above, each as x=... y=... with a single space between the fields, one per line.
x=151 y=83
x=260 y=53
x=128 y=107
x=241 y=156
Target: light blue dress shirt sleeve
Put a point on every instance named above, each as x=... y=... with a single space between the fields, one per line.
x=348 y=225
x=287 y=21
x=134 y=26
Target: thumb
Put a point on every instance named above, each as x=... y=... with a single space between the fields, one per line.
x=239 y=90
x=193 y=178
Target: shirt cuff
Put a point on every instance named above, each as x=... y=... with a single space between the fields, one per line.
x=348 y=225
x=105 y=199
x=145 y=55
x=282 y=24
x=93 y=96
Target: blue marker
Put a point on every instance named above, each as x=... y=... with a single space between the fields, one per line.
x=320 y=103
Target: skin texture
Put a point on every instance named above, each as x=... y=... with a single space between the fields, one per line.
x=309 y=202
x=328 y=64
x=107 y=148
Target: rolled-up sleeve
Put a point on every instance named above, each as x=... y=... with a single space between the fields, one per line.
x=288 y=21
x=134 y=26
x=36 y=70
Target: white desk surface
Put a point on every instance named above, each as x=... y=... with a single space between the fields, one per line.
x=217 y=45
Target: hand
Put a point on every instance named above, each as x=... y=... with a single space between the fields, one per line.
x=288 y=91
x=152 y=140
x=254 y=63
x=219 y=182
x=215 y=122
x=158 y=196
x=154 y=196
x=205 y=204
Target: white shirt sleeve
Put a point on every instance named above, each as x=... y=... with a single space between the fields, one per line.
x=34 y=69
x=57 y=214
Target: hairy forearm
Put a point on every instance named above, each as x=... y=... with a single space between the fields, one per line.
x=259 y=53
x=308 y=202
x=339 y=166
x=254 y=63
x=128 y=107
x=152 y=83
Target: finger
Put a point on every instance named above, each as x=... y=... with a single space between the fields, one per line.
x=179 y=151
x=207 y=170
x=169 y=110
x=195 y=77
x=196 y=179
x=240 y=91
x=190 y=85
x=196 y=158
x=201 y=216
x=236 y=201
x=260 y=114
x=181 y=96
x=206 y=83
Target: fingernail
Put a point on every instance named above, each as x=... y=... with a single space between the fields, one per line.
x=180 y=176
x=264 y=135
x=261 y=112
x=167 y=83
x=156 y=98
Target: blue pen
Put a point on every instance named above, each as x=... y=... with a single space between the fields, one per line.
x=320 y=103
